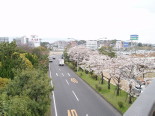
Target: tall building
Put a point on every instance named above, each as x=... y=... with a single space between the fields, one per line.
x=21 y=40
x=91 y=44
x=4 y=39
x=31 y=41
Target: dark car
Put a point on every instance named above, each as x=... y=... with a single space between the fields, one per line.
x=50 y=60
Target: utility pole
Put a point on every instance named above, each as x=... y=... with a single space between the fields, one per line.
x=77 y=55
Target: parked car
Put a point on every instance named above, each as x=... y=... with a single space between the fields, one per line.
x=50 y=60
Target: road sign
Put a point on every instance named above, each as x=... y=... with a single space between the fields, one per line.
x=133 y=37
x=125 y=44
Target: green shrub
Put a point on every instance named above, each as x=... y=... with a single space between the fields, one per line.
x=80 y=69
x=91 y=72
x=75 y=68
x=96 y=86
x=86 y=71
x=99 y=88
x=81 y=74
x=120 y=104
x=94 y=76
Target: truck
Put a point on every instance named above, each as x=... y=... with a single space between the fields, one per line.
x=61 y=62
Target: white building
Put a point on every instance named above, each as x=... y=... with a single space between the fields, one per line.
x=32 y=41
x=91 y=44
x=4 y=39
x=35 y=40
x=21 y=40
x=118 y=45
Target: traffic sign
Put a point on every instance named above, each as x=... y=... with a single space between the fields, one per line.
x=133 y=37
x=125 y=44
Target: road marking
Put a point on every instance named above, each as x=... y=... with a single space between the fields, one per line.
x=59 y=69
x=62 y=74
x=67 y=82
x=56 y=74
x=75 y=95
x=69 y=74
x=51 y=83
x=72 y=112
x=50 y=76
x=74 y=80
x=55 y=108
x=50 y=72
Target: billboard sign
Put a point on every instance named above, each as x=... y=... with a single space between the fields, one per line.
x=133 y=37
x=125 y=44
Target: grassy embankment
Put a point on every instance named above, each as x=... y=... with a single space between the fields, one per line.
x=102 y=89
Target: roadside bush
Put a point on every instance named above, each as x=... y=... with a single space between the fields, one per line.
x=96 y=86
x=120 y=104
x=91 y=72
x=86 y=71
x=71 y=66
x=81 y=74
x=80 y=69
x=94 y=76
x=75 y=69
x=99 y=88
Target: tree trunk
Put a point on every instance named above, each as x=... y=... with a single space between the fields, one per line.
x=102 y=79
x=117 y=90
x=143 y=75
x=130 y=99
x=109 y=83
x=130 y=96
x=118 y=86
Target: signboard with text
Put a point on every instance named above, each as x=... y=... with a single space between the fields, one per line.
x=125 y=44
x=133 y=37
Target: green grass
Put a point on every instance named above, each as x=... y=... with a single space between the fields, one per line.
x=109 y=95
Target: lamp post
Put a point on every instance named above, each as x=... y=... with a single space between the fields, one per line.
x=77 y=55
x=103 y=38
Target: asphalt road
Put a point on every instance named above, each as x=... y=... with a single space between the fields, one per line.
x=73 y=97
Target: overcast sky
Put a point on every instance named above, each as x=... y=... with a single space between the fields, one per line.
x=79 y=19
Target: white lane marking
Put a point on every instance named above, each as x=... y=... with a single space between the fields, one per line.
x=59 y=69
x=75 y=96
x=62 y=74
x=50 y=76
x=56 y=74
x=50 y=72
x=69 y=74
x=67 y=82
x=55 y=108
x=86 y=114
x=51 y=83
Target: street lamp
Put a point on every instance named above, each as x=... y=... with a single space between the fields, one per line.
x=103 y=38
x=77 y=55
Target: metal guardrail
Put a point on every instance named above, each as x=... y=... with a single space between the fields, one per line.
x=145 y=103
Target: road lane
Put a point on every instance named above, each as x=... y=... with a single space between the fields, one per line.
x=64 y=97
x=78 y=96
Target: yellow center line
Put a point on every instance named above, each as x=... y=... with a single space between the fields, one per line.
x=72 y=112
